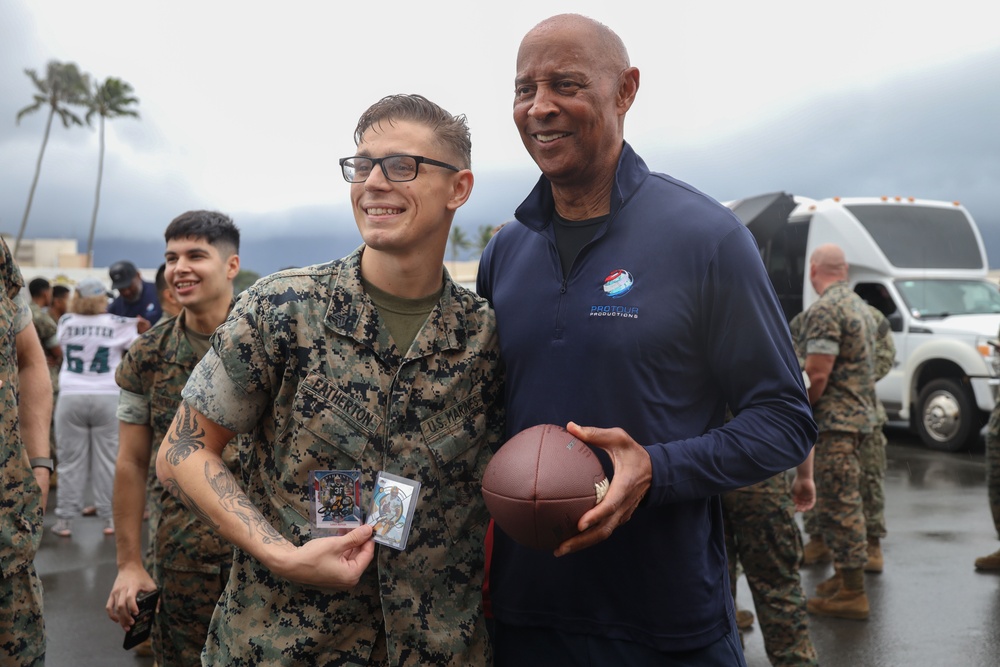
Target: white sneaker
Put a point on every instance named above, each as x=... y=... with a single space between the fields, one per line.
x=62 y=528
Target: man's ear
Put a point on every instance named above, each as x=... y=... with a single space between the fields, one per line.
x=232 y=266
x=627 y=89
x=462 y=183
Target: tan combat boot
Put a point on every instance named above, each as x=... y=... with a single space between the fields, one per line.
x=874 y=563
x=850 y=601
x=991 y=562
x=816 y=551
x=744 y=619
x=830 y=587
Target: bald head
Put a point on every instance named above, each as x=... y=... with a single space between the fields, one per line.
x=572 y=90
x=827 y=265
x=593 y=33
x=829 y=258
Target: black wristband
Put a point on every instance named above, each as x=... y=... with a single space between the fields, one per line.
x=42 y=462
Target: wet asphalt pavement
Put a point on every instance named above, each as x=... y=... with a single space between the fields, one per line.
x=929 y=608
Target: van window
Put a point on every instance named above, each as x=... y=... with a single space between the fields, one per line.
x=931 y=299
x=877 y=294
x=785 y=260
x=925 y=237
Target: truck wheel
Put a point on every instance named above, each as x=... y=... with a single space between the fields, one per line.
x=947 y=417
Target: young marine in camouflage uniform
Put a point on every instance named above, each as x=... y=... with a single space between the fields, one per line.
x=45 y=325
x=873 y=464
x=25 y=415
x=190 y=562
x=839 y=334
x=992 y=561
x=375 y=362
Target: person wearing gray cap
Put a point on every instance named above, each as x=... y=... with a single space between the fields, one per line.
x=86 y=421
x=136 y=297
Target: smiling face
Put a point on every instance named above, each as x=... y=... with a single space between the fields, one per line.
x=572 y=89
x=199 y=273
x=413 y=218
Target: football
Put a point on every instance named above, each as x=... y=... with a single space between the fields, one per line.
x=539 y=484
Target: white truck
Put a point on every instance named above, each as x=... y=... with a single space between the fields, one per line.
x=924 y=265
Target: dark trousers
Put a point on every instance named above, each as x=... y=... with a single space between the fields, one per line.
x=520 y=646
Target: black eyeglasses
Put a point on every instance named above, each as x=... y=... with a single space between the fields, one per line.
x=397 y=168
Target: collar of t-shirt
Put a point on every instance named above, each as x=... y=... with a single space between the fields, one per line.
x=571 y=236
x=403 y=317
x=199 y=342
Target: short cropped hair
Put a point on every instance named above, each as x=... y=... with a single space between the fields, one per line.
x=161 y=278
x=59 y=291
x=216 y=228
x=451 y=131
x=38 y=286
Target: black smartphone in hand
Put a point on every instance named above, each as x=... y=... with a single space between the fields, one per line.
x=143 y=625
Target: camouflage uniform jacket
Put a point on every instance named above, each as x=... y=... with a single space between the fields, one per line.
x=885 y=351
x=840 y=324
x=46 y=328
x=20 y=495
x=152 y=374
x=306 y=368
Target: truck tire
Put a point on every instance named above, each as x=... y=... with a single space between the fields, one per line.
x=947 y=418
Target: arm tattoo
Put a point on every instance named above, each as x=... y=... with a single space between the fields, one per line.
x=233 y=500
x=185 y=437
x=176 y=491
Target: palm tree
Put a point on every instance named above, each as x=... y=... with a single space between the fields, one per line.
x=110 y=99
x=63 y=85
x=459 y=242
x=483 y=237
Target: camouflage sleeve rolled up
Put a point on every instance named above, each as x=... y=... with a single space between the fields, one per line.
x=23 y=318
x=211 y=391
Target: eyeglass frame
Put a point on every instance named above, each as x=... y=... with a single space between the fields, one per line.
x=419 y=159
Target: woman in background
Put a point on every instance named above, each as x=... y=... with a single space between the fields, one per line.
x=86 y=423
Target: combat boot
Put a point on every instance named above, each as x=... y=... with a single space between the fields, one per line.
x=991 y=562
x=874 y=563
x=744 y=619
x=816 y=551
x=844 y=604
x=849 y=601
x=830 y=587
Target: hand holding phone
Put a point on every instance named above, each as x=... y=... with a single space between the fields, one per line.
x=143 y=625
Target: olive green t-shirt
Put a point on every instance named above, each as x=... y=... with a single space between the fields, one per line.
x=403 y=317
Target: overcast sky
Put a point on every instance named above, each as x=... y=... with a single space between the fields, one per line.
x=246 y=106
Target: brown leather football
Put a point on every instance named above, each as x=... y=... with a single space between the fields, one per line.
x=539 y=484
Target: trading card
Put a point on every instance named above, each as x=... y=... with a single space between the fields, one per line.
x=143 y=625
x=336 y=498
x=392 y=507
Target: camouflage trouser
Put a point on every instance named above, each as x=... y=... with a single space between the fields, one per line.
x=839 y=508
x=993 y=465
x=761 y=533
x=22 y=628
x=872 y=454
x=873 y=463
x=187 y=601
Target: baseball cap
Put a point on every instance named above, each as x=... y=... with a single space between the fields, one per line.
x=122 y=274
x=91 y=287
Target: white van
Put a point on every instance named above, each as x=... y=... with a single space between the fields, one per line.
x=924 y=265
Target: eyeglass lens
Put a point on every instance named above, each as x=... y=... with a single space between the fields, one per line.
x=395 y=168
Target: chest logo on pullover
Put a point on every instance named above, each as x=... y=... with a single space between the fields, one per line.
x=618 y=283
